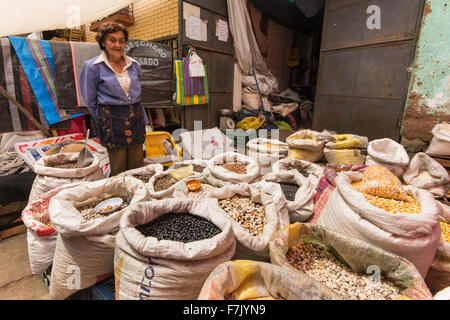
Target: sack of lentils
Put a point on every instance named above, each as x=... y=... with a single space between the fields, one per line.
x=229 y=168
x=85 y=244
x=255 y=280
x=59 y=169
x=310 y=170
x=299 y=194
x=166 y=249
x=256 y=212
x=144 y=173
x=348 y=267
x=163 y=184
x=198 y=165
x=402 y=220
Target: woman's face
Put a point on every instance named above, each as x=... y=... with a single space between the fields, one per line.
x=115 y=44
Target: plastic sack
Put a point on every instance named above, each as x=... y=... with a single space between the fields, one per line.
x=305 y=140
x=86 y=247
x=148 y=269
x=389 y=154
x=183 y=172
x=255 y=280
x=344 y=156
x=308 y=169
x=266 y=152
x=250 y=247
x=49 y=177
x=166 y=193
x=306 y=155
x=148 y=170
x=347 y=141
x=426 y=173
x=412 y=236
x=250 y=123
x=440 y=144
x=443 y=294
x=198 y=164
x=358 y=256
x=196 y=68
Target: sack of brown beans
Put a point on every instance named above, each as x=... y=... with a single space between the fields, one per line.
x=41 y=236
x=426 y=173
x=298 y=191
x=166 y=249
x=256 y=280
x=59 y=169
x=312 y=171
x=85 y=244
x=345 y=266
x=163 y=184
x=266 y=152
x=388 y=153
x=144 y=173
x=438 y=276
x=229 y=168
x=408 y=228
x=199 y=165
x=256 y=212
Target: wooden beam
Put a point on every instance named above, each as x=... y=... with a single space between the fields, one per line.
x=25 y=112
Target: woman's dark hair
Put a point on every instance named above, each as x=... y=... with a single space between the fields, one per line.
x=107 y=28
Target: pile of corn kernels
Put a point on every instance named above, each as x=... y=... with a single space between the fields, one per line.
x=445 y=231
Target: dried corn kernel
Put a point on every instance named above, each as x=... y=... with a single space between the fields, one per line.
x=445 y=231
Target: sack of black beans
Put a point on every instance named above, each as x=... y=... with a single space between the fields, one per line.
x=41 y=236
x=256 y=280
x=86 y=239
x=310 y=170
x=299 y=193
x=163 y=184
x=266 y=152
x=166 y=249
x=345 y=266
x=256 y=212
x=144 y=173
x=199 y=165
x=230 y=168
x=412 y=234
x=59 y=169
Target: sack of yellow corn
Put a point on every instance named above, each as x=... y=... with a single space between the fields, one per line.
x=410 y=230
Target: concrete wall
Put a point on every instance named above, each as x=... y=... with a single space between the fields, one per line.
x=428 y=100
x=153 y=20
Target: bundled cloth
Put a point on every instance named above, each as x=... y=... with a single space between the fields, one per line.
x=358 y=255
x=389 y=154
x=440 y=144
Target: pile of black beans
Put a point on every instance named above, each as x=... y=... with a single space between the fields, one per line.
x=289 y=190
x=181 y=227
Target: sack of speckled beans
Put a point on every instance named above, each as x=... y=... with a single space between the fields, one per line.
x=194 y=187
x=59 y=169
x=230 y=168
x=333 y=265
x=84 y=253
x=144 y=173
x=298 y=191
x=256 y=211
x=166 y=249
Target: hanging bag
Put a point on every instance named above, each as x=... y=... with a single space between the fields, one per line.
x=195 y=65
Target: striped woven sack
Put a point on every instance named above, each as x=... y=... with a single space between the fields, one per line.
x=181 y=99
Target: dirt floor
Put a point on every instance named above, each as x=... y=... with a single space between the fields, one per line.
x=16 y=280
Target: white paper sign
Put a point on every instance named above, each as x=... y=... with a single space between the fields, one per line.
x=222 y=30
x=194 y=28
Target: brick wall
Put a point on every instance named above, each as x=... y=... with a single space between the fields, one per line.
x=153 y=20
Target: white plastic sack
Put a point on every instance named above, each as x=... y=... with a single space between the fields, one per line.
x=389 y=154
x=85 y=249
x=412 y=236
x=440 y=144
x=194 y=162
x=146 y=268
x=426 y=173
x=305 y=140
x=196 y=68
x=302 y=207
x=265 y=157
x=268 y=194
x=150 y=170
x=167 y=193
x=48 y=178
x=311 y=170
x=219 y=176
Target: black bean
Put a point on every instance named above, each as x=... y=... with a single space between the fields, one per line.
x=181 y=227
x=289 y=190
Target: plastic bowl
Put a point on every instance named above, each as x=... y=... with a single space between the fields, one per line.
x=113 y=203
x=193 y=185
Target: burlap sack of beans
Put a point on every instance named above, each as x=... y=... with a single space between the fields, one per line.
x=255 y=280
x=85 y=248
x=146 y=268
x=413 y=236
x=168 y=192
x=302 y=207
x=268 y=194
x=49 y=177
x=311 y=170
x=41 y=236
x=358 y=255
x=388 y=153
x=219 y=176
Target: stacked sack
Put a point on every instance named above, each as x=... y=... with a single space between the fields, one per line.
x=440 y=144
x=389 y=154
x=305 y=145
x=266 y=152
x=346 y=149
x=375 y=207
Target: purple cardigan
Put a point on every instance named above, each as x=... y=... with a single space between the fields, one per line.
x=99 y=86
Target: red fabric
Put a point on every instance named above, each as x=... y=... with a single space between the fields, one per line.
x=77 y=125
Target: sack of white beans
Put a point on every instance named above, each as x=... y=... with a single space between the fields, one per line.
x=256 y=212
x=85 y=244
x=166 y=249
